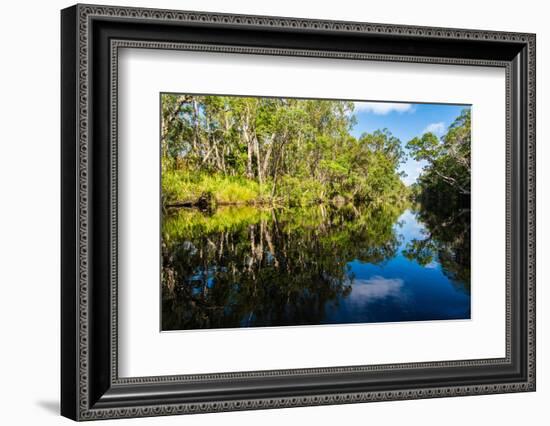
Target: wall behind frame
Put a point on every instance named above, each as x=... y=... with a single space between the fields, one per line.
x=30 y=228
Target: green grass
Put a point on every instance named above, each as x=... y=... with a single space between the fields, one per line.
x=184 y=186
x=180 y=186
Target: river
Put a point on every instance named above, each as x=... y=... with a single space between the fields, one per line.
x=250 y=267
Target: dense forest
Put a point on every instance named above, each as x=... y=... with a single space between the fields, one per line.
x=277 y=151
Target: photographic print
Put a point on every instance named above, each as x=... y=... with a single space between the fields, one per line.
x=289 y=212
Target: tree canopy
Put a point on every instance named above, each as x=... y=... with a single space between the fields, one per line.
x=288 y=150
x=448 y=158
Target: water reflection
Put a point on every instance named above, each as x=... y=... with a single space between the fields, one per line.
x=375 y=288
x=249 y=267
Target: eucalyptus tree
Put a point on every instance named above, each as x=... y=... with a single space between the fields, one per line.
x=291 y=148
x=448 y=157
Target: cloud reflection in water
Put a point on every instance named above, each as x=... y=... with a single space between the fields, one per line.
x=376 y=288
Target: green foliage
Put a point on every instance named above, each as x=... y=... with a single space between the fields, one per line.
x=426 y=147
x=179 y=185
x=279 y=151
x=448 y=171
x=301 y=192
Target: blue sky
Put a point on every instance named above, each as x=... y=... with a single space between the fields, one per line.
x=405 y=121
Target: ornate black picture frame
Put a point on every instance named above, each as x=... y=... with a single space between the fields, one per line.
x=91 y=388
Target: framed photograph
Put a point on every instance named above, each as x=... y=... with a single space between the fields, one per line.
x=263 y=212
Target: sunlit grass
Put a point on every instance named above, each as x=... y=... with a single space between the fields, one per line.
x=180 y=186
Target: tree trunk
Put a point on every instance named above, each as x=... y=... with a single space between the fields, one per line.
x=267 y=155
x=258 y=162
x=276 y=162
x=249 y=146
x=196 y=125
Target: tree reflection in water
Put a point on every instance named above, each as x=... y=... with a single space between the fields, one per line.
x=249 y=267
x=244 y=266
x=447 y=237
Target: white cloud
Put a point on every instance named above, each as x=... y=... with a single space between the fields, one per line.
x=377 y=287
x=410 y=227
x=436 y=128
x=432 y=265
x=408 y=180
x=412 y=169
x=382 y=108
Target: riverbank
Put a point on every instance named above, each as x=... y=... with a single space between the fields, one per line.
x=205 y=191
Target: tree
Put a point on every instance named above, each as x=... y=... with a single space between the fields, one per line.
x=448 y=158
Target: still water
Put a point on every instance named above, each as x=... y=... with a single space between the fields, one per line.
x=250 y=267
